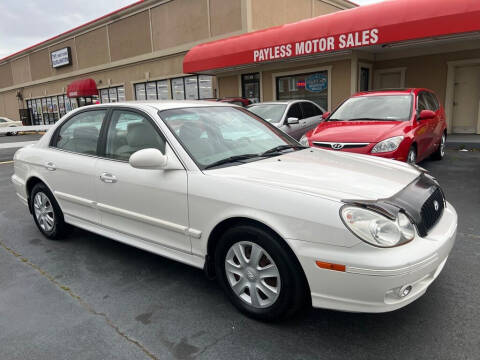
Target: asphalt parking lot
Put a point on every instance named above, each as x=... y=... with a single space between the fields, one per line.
x=88 y=297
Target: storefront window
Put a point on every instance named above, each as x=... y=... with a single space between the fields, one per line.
x=251 y=87
x=178 y=90
x=112 y=94
x=151 y=91
x=162 y=90
x=205 y=84
x=191 y=88
x=311 y=86
x=140 y=92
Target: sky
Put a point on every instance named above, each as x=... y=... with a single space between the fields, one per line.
x=27 y=22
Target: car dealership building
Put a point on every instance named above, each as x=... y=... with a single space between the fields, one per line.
x=322 y=50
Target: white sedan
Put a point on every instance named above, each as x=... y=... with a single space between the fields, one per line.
x=7 y=123
x=213 y=186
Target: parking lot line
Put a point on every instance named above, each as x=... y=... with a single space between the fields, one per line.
x=6 y=162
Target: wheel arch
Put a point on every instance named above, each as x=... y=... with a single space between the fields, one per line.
x=29 y=185
x=219 y=229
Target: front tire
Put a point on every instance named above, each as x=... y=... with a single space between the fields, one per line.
x=439 y=154
x=46 y=212
x=412 y=155
x=258 y=274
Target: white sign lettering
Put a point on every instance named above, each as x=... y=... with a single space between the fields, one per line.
x=61 y=57
x=314 y=46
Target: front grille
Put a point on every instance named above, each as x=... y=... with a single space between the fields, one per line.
x=432 y=210
x=339 y=146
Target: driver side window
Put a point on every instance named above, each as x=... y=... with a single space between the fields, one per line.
x=129 y=132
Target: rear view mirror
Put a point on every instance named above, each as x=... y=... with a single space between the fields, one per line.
x=426 y=114
x=292 y=120
x=325 y=115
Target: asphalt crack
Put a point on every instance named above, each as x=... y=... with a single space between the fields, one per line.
x=82 y=302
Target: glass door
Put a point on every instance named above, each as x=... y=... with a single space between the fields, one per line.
x=251 y=87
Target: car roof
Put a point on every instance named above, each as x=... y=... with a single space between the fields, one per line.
x=280 y=102
x=164 y=104
x=399 y=91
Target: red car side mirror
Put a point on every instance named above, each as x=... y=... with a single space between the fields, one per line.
x=426 y=114
x=325 y=115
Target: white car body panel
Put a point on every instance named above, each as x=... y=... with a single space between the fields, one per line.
x=298 y=195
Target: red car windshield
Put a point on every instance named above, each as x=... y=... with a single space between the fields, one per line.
x=378 y=107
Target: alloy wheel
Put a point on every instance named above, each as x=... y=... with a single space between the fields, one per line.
x=252 y=274
x=412 y=156
x=442 y=146
x=43 y=211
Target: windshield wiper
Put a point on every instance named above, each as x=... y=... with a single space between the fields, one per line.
x=231 y=159
x=280 y=148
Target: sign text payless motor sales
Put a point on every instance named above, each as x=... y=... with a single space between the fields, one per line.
x=330 y=43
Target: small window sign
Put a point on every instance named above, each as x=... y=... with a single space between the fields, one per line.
x=61 y=57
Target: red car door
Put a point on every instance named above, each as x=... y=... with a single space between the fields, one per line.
x=437 y=122
x=423 y=136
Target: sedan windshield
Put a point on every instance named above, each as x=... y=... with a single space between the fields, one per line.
x=215 y=136
x=381 y=107
x=271 y=112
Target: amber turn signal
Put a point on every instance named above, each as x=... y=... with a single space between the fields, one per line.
x=329 y=266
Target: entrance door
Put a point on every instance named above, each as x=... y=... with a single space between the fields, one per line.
x=389 y=79
x=466 y=100
x=251 y=87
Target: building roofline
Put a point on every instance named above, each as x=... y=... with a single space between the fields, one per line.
x=72 y=30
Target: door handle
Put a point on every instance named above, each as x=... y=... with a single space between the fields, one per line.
x=50 y=166
x=108 y=178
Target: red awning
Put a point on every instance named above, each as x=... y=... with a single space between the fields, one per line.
x=82 y=87
x=382 y=23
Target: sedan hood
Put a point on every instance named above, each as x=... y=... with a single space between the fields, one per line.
x=336 y=175
x=357 y=131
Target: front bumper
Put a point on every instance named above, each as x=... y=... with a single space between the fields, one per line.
x=399 y=154
x=373 y=276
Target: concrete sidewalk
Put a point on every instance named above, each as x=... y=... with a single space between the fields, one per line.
x=463 y=141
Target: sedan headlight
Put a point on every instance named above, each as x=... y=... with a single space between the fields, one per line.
x=387 y=145
x=304 y=141
x=376 y=229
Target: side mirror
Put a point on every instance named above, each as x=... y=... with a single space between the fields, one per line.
x=151 y=159
x=292 y=120
x=426 y=114
x=325 y=115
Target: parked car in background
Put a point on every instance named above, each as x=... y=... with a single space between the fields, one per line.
x=6 y=122
x=212 y=185
x=294 y=117
x=236 y=100
x=406 y=125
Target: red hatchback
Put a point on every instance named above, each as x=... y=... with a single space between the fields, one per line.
x=406 y=125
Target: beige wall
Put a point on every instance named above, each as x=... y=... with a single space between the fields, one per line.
x=268 y=13
x=5 y=75
x=92 y=48
x=228 y=86
x=171 y=26
x=40 y=64
x=9 y=105
x=130 y=36
x=428 y=71
x=21 y=70
x=225 y=16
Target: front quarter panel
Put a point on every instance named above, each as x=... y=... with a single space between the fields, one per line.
x=291 y=214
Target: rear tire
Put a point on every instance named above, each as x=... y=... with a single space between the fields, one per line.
x=439 y=154
x=262 y=280
x=46 y=212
